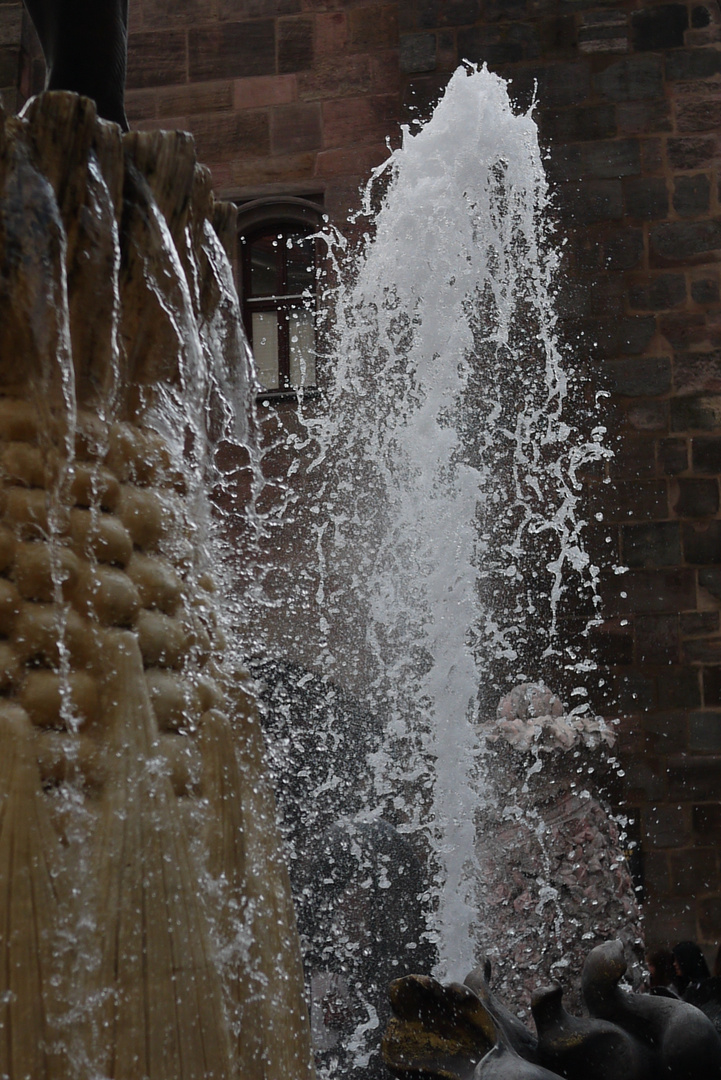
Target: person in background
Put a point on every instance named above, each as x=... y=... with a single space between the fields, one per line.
x=717 y=964
x=660 y=964
x=690 y=967
x=705 y=994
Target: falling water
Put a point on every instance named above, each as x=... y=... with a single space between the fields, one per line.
x=149 y=927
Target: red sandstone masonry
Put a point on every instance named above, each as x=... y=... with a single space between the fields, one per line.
x=355 y=121
x=265 y=90
x=294 y=128
x=348 y=76
x=331 y=34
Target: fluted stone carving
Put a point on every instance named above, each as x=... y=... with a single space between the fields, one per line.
x=147 y=928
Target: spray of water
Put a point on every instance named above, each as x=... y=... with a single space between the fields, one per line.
x=450 y=471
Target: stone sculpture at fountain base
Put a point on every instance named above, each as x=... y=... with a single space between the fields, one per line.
x=148 y=927
x=463 y=1032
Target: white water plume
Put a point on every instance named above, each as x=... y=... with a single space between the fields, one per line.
x=450 y=469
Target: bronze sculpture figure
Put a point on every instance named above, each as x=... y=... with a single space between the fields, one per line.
x=465 y=1032
x=584 y=1049
x=685 y=1040
x=85 y=48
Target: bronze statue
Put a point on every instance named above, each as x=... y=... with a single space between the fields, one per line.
x=85 y=43
x=503 y=1063
x=516 y=1032
x=685 y=1040
x=465 y=1032
x=585 y=1049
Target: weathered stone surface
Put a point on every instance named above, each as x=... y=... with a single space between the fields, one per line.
x=706 y=454
x=433 y=13
x=673 y=456
x=295 y=128
x=631 y=79
x=677 y=241
x=157 y=58
x=663 y=291
x=704 y=736
x=417 y=53
x=622 y=249
x=558 y=84
x=642 y=377
x=620 y=157
x=496 y=46
x=295 y=45
x=697 y=372
x=667 y=590
x=365 y=119
x=347 y=76
x=694 y=778
x=158 y=999
x=696 y=498
x=678 y=688
x=686 y=64
x=373 y=27
x=592 y=201
x=10 y=23
x=262 y=90
x=691 y=195
x=698 y=412
x=660 y=27
x=646 y=197
x=640 y=117
x=697 y=111
x=702 y=543
x=657 y=638
x=656 y=544
x=705 y=290
x=692 y=153
x=232 y=50
x=695 y=623
x=579 y=124
x=194 y=98
x=224 y=136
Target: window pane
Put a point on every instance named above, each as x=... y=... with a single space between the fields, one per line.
x=264 y=258
x=265 y=348
x=302 y=348
x=301 y=265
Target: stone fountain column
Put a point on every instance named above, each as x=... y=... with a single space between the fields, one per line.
x=146 y=927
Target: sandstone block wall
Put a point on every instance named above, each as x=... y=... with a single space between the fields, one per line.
x=281 y=96
x=11 y=18
x=299 y=97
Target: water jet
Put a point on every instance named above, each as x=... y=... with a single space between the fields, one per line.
x=443 y=535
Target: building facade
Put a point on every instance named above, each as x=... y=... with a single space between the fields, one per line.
x=300 y=100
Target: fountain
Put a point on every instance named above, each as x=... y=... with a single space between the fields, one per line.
x=147 y=923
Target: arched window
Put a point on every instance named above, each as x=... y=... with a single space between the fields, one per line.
x=278 y=259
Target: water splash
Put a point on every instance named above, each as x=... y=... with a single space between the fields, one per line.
x=448 y=469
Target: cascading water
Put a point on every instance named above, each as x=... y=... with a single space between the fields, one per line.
x=148 y=920
x=446 y=487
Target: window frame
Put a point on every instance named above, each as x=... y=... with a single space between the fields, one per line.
x=256 y=218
